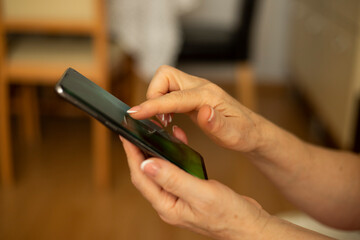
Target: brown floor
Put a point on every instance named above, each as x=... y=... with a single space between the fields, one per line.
x=54 y=197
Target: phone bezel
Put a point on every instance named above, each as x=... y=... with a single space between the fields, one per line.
x=107 y=122
x=113 y=126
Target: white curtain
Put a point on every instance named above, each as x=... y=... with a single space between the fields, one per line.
x=149 y=30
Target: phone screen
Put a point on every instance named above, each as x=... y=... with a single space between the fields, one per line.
x=150 y=137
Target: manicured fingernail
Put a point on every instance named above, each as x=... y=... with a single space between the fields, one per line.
x=158 y=116
x=163 y=117
x=174 y=128
x=149 y=167
x=170 y=118
x=167 y=119
x=211 y=114
x=134 y=109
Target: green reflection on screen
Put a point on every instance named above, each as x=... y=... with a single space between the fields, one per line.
x=102 y=102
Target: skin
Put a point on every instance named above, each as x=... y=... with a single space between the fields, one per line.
x=324 y=183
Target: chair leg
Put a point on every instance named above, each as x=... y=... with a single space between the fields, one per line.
x=101 y=154
x=138 y=87
x=245 y=85
x=30 y=114
x=7 y=174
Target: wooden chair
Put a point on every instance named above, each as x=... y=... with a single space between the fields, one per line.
x=226 y=46
x=31 y=61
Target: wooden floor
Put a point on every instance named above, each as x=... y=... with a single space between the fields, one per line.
x=54 y=197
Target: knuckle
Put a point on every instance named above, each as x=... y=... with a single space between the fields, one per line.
x=171 y=182
x=164 y=69
x=233 y=142
x=211 y=90
x=213 y=87
x=177 y=97
x=214 y=200
x=208 y=204
x=180 y=95
x=170 y=219
x=213 y=195
x=149 y=95
x=215 y=185
x=198 y=81
x=207 y=93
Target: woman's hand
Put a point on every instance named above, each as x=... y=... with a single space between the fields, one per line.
x=221 y=117
x=206 y=207
x=313 y=178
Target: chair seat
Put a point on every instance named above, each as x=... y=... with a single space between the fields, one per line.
x=49 y=10
x=42 y=60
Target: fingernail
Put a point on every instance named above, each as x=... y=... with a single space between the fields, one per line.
x=174 y=128
x=170 y=118
x=211 y=114
x=158 y=116
x=163 y=117
x=134 y=109
x=149 y=167
x=167 y=119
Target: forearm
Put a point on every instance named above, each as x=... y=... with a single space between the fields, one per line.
x=324 y=183
x=277 y=228
x=271 y=227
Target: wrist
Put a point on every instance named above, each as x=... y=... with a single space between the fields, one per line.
x=267 y=226
x=258 y=229
x=277 y=152
x=274 y=142
x=248 y=227
x=267 y=136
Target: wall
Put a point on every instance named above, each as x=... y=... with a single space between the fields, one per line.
x=270 y=40
x=270 y=43
x=219 y=13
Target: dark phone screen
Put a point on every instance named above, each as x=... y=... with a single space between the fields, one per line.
x=111 y=109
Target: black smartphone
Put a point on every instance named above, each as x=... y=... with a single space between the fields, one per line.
x=110 y=111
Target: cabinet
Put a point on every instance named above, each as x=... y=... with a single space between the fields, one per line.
x=324 y=62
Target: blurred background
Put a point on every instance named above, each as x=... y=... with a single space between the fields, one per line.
x=64 y=176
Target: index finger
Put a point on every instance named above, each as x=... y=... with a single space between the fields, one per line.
x=168 y=79
x=185 y=101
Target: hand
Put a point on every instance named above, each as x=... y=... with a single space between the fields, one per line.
x=221 y=117
x=204 y=206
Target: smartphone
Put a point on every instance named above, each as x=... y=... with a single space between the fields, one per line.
x=145 y=134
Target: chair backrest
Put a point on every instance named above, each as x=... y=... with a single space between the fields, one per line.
x=49 y=16
x=57 y=18
x=243 y=32
x=221 y=45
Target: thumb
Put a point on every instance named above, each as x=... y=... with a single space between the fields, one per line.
x=212 y=122
x=173 y=179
